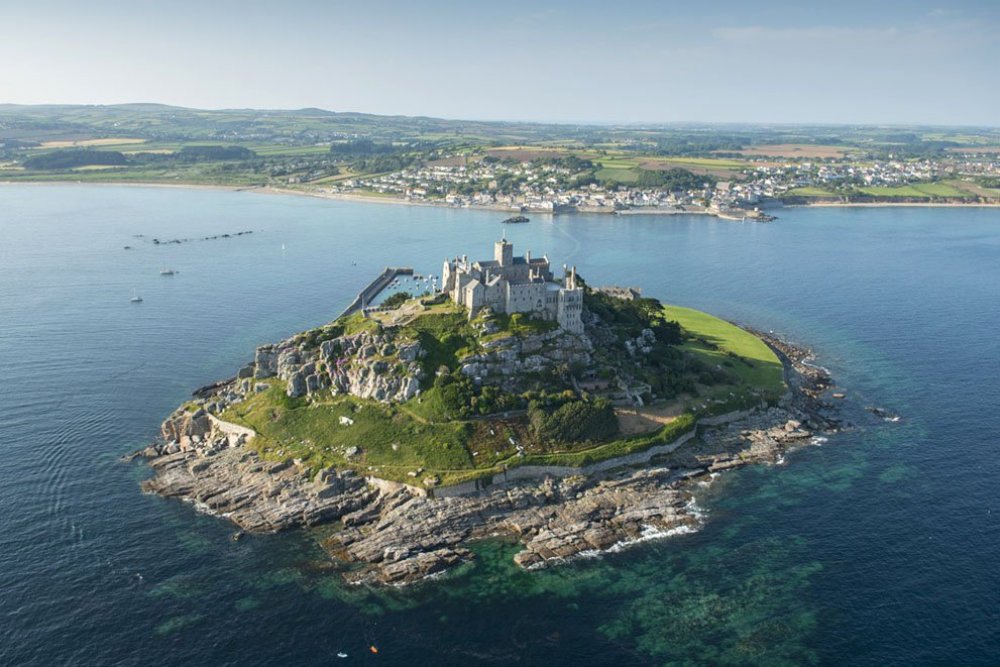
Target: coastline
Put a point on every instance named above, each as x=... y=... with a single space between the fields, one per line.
x=889 y=204
x=133 y=184
x=396 y=201
x=391 y=534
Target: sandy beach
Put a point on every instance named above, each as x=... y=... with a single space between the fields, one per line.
x=396 y=201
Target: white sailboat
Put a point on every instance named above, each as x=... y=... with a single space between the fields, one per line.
x=135 y=297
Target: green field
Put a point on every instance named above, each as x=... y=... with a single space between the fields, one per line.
x=621 y=175
x=810 y=191
x=917 y=191
x=704 y=163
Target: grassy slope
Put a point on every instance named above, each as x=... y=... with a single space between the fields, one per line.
x=312 y=431
x=917 y=190
x=761 y=370
x=810 y=191
x=295 y=428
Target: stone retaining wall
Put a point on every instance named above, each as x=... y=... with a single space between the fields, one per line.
x=234 y=431
x=536 y=472
x=230 y=430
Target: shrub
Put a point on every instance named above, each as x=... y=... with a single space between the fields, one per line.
x=396 y=300
x=574 y=421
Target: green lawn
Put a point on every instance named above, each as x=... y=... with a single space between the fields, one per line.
x=715 y=341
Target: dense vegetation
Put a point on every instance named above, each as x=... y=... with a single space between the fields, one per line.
x=674 y=179
x=574 y=421
x=397 y=299
x=75 y=157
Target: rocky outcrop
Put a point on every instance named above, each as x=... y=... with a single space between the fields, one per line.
x=367 y=365
x=553 y=519
x=256 y=495
x=184 y=425
x=372 y=365
x=265 y=362
x=503 y=360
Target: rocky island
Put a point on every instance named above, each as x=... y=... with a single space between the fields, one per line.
x=514 y=403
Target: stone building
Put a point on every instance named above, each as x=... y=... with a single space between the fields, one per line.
x=509 y=284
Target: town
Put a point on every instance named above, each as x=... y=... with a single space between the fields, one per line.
x=736 y=173
x=552 y=186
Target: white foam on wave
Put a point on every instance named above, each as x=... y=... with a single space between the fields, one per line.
x=202 y=508
x=647 y=534
x=695 y=511
x=651 y=533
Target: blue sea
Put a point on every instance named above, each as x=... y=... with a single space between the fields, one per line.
x=879 y=547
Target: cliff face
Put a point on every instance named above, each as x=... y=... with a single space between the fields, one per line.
x=367 y=365
x=504 y=360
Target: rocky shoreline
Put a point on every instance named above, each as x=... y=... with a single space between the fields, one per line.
x=391 y=533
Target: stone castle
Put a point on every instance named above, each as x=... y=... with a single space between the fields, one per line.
x=509 y=284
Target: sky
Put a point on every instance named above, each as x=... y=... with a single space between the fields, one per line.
x=630 y=61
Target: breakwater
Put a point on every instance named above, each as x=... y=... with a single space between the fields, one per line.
x=383 y=279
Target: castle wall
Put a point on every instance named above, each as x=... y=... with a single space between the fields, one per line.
x=495 y=296
x=570 y=309
x=524 y=298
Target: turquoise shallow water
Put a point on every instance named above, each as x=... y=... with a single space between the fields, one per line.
x=880 y=547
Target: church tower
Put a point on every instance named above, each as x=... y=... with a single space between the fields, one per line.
x=503 y=252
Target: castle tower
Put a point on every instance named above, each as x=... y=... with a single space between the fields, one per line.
x=503 y=252
x=448 y=276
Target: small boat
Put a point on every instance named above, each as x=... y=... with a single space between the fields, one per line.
x=167 y=272
x=135 y=298
x=341 y=654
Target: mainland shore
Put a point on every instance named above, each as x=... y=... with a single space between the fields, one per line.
x=397 y=201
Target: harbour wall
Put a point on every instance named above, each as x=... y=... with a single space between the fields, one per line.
x=366 y=295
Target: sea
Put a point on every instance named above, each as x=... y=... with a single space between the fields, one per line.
x=877 y=546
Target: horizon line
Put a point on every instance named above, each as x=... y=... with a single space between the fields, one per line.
x=564 y=122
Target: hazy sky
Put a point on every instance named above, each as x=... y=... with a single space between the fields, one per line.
x=907 y=61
